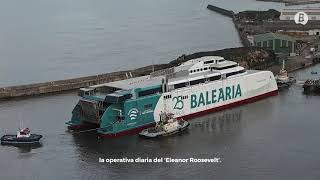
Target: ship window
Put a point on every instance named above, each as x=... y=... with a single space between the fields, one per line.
x=149 y=92
x=226 y=67
x=205 y=68
x=208 y=62
x=180 y=85
x=234 y=73
x=117 y=99
x=125 y=97
x=198 y=70
x=147 y=106
x=197 y=81
x=214 y=78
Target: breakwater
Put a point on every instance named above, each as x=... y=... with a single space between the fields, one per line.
x=221 y=11
x=75 y=83
x=231 y=14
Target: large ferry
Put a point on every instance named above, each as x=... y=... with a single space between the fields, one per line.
x=193 y=88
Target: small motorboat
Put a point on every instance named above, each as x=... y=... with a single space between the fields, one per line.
x=314 y=72
x=23 y=137
x=165 y=127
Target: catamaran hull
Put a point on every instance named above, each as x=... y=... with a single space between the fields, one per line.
x=218 y=95
x=192 y=101
x=197 y=114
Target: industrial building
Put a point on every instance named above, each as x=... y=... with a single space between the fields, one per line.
x=314 y=32
x=288 y=14
x=279 y=43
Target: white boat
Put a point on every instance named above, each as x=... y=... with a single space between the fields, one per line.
x=167 y=126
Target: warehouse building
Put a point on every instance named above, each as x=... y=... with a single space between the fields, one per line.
x=279 y=43
x=288 y=14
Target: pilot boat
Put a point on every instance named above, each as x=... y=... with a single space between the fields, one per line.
x=165 y=127
x=22 y=137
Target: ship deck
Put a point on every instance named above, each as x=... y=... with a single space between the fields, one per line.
x=147 y=81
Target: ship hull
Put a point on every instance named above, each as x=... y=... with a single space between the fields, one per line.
x=210 y=97
x=194 y=115
x=263 y=85
x=192 y=101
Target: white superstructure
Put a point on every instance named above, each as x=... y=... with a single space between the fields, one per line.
x=200 y=85
x=210 y=83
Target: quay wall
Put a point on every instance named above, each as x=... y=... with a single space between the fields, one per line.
x=293 y=64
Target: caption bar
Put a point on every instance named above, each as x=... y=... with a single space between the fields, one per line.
x=160 y=160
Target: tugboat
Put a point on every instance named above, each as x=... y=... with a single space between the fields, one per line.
x=283 y=80
x=165 y=127
x=23 y=137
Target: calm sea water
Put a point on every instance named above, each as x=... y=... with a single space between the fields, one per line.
x=276 y=138
x=43 y=40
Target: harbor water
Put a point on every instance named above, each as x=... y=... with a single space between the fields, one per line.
x=275 y=138
x=52 y=40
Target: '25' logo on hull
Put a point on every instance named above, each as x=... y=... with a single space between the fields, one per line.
x=178 y=103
